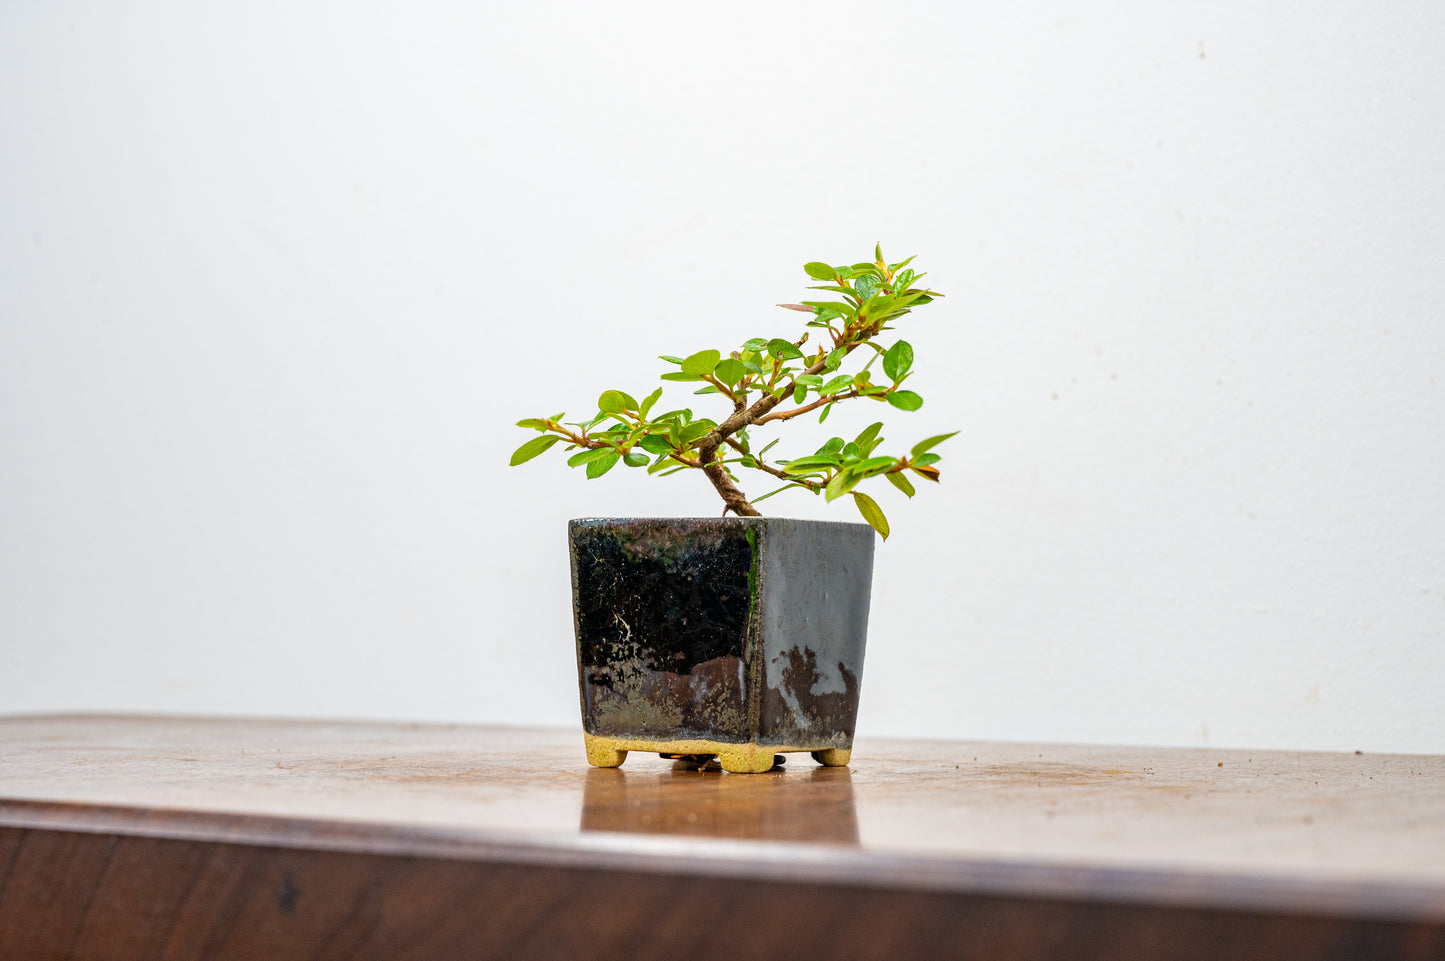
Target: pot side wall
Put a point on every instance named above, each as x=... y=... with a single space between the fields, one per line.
x=731 y=630
x=814 y=626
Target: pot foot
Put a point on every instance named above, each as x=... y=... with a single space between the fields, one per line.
x=746 y=762
x=833 y=757
x=600 y=754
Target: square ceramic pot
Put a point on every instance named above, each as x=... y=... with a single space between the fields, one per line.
x=741 y=637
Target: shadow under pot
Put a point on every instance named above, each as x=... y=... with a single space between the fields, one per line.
x=738 y=637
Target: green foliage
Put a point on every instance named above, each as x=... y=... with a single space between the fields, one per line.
x=532 y=448
x=770 y=380
x=904 y=399
x=701 y=363
x=897 y=361
x=614 y=402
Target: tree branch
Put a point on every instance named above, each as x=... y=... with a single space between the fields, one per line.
x=736 y=500
x=785 y=414
x=582 y=440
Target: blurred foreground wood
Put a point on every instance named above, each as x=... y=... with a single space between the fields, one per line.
x=148 y=838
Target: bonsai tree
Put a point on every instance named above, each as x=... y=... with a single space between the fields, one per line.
x=769 y=382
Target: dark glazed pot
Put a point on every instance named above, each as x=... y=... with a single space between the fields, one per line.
x=739 y=636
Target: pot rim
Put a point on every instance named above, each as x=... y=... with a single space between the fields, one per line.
x=728 y=520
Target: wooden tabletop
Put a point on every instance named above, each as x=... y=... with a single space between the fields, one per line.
x=1015 y=837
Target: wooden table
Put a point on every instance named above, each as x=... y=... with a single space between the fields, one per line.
x=149 y=838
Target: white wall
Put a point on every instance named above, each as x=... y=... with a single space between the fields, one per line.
x=277 y=278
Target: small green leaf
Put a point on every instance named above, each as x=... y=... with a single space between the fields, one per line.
x=589 y=455
x=870 y=309
x=647 y=404
x=784 y=349
x=820 y=271
x=757 y=344
x=865 y=438
x=531 y=449
x=931 y=442
x=809 y=464
x=878 y=259
x=596 y=468
x=902 y=483
x=866 y=286
x=655 y=444
x=835 y=358
x=898 y=359
x=635 y=458
x=824 y=416
x=701 y=363
x=905 y=399
x=906 y=299
x=832 y=446
x=536 y=423
x=874 y=465
x=830 y=305
x=800 y=393
x=696 y=431
x=871 y=512
x=842 y=483
x=836 y=384
x=613 y=402
x=709 y=389
x=730 y=371
x=669 y=358
x=924 y=460
x=785 y=487
x=679 y=375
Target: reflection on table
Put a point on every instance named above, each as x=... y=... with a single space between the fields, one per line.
x=813 y=804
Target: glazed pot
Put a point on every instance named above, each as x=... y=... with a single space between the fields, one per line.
x=740 y=637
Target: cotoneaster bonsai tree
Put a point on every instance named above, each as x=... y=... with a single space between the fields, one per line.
x=769 y=381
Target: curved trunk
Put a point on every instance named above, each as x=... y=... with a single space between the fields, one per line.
x=736 y=500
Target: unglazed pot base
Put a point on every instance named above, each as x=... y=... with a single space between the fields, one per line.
x=735 y=758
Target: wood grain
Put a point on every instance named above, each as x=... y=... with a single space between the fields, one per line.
x=180 y=838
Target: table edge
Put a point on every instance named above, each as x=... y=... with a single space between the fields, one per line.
x=821 y=864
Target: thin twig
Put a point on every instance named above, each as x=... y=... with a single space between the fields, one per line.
x=785 y=414
x=759 y=465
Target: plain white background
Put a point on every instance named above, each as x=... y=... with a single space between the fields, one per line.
x=276 y=279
